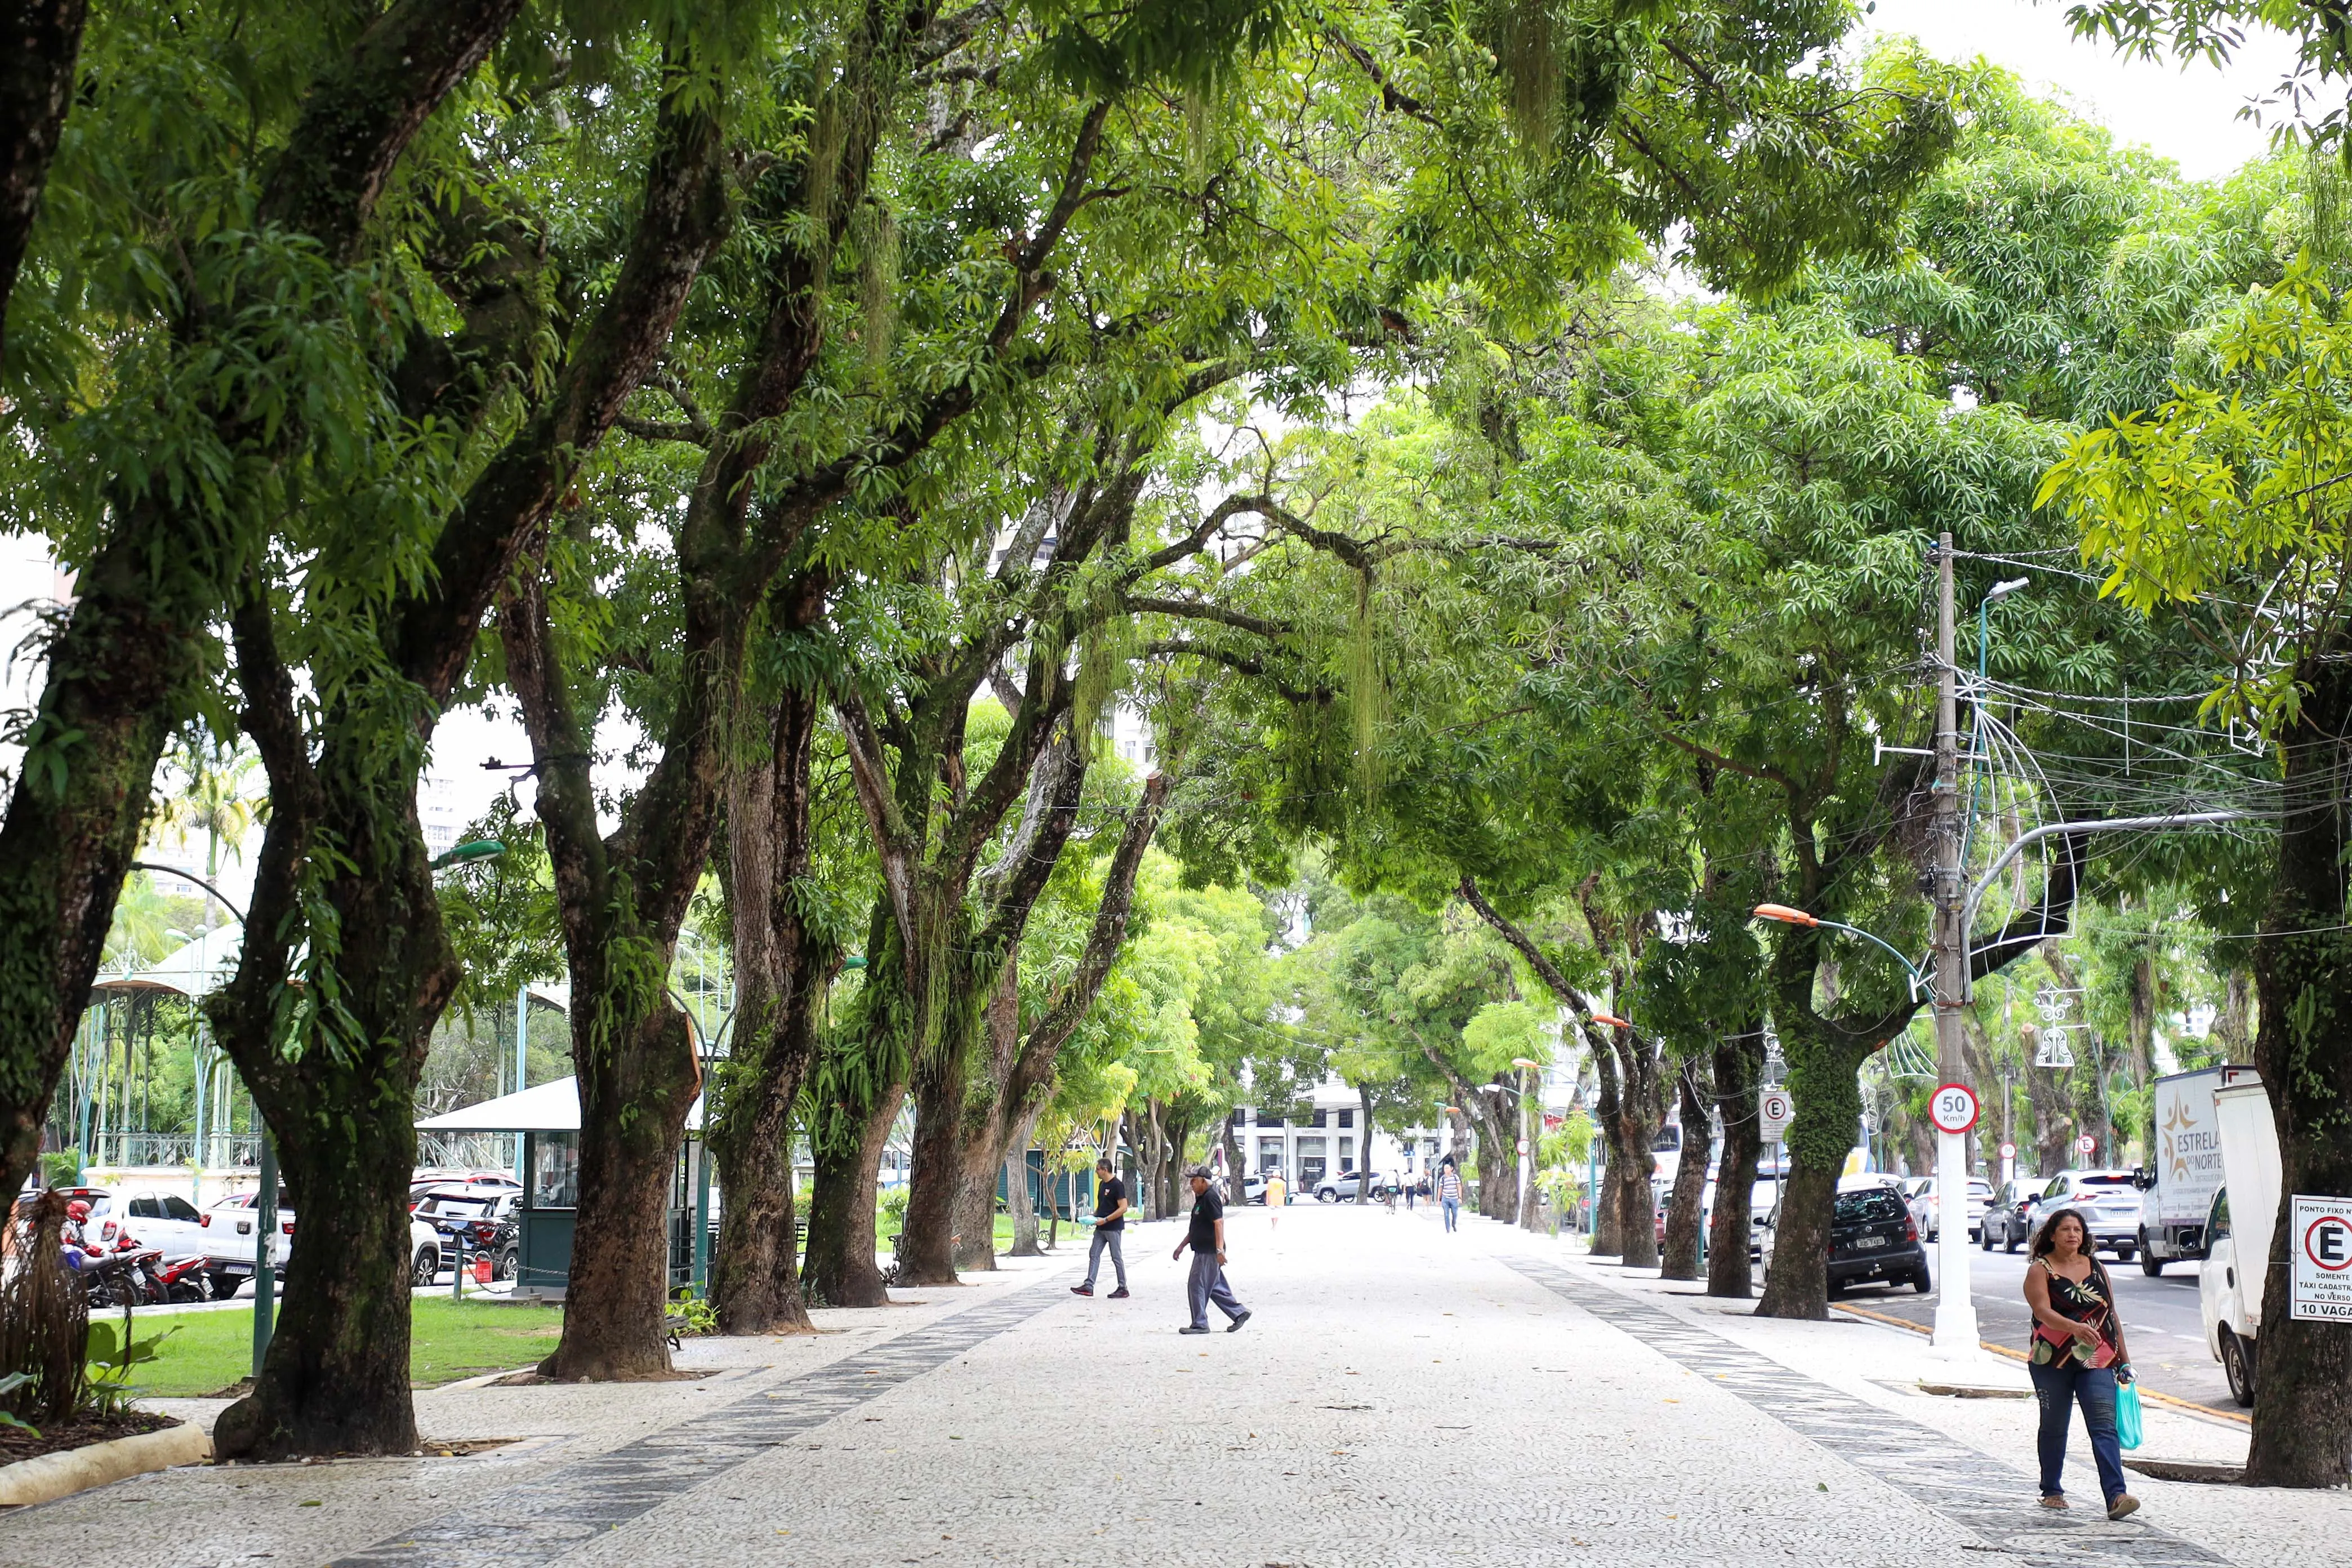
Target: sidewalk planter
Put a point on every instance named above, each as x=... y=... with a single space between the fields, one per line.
x=53 y=1476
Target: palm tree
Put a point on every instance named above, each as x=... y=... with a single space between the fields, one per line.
x=218 y=802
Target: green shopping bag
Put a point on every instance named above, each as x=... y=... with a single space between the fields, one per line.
x=2127 y=1421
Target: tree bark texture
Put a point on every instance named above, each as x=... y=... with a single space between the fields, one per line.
x=1608 y=1202
x=1363 y=1144
x=2302 y=1049
x=36 y=81
x=122 y=676
x=1694 y=1089
x=1738 y=1072
x=782 y=966
x=840 y=1268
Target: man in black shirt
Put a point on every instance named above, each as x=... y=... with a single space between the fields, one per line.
x=1206 y=1238
x=1110 y=1222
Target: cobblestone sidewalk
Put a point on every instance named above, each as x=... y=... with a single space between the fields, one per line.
x=1401 y=1396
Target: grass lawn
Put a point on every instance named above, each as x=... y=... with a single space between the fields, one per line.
x=448 y=1341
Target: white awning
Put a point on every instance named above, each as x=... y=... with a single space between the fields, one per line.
x=549 y=1107
x=197 y=968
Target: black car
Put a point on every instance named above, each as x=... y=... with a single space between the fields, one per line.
x=1873 y=1237
x=2007 y=1223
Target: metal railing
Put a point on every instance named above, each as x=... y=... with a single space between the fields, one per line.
x=173 y=1150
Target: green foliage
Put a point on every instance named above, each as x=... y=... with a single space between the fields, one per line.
x=112 y=1358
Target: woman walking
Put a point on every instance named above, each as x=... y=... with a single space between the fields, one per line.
x=2078 y=1356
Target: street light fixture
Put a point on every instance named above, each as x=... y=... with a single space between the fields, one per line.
x=471 y=850
x=1787 y=915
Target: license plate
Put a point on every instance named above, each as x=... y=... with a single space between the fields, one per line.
x=1870 y=1241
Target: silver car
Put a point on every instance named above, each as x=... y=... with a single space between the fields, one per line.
x=2108 y=1202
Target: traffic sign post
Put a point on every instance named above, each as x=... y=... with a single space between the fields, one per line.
x=2320 y=1258
x=1953 y=1107
x=1774 y=1110
x=2008 y=1164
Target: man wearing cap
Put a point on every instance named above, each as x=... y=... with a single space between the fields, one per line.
x=1206 y=1238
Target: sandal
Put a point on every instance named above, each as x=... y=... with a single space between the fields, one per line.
x=2054 y=1499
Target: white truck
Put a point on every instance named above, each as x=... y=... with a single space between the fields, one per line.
x=2177 y=1193
x=2238 y=1234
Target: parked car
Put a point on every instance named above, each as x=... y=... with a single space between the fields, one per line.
x=1254 y=1189
x=424 y=1182
x=1872 y=1239
x=229 y=1245
x=1927 y=1206
x=1342 y=1189
x=164 y=1221
x=2109 y=1201
x=467 y=1220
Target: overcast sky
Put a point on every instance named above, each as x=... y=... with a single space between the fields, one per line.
x=2187 y=114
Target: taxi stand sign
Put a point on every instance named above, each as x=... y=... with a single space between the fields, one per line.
x=2320 y=1243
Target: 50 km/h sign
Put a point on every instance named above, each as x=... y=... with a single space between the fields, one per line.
x=1953 y=1107
x=2321 y=1258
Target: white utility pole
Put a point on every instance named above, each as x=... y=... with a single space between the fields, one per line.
x=1955 y=1334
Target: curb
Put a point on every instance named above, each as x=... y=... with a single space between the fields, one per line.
x=2190 y=1407
x=53 y=1476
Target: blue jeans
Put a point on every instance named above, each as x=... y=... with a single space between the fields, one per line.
x=2059 y=1389
x=1094 y=1256
x=1207 y=1284
x=1452 y=1212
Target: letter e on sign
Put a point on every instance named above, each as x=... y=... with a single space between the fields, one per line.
x=2322 y=1260
x=1953 y=1107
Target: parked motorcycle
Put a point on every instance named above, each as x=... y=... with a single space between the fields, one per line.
x=189 y=1279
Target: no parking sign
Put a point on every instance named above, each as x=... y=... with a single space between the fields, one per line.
x=2322 y=1258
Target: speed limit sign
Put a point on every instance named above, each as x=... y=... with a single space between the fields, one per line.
x=2008 y=1150
x=1953 y=1107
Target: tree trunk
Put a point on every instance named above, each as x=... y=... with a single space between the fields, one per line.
x=2303 y=970
x=1822 y=1081
x=632 y=1106
x=1016 y=1178
x=36 y=80
x=1608 y=1202
x=1238 y=1172
x=988 y=1130
x=1739 y=1070
x=1497 y=1197
x=841 y=1268
x=336 y=1377
x=1635 y=1159
x=1681 y=1260
x=780 y=966
x=1363 y=1143
x=944 y=1137
x=2233 y=1026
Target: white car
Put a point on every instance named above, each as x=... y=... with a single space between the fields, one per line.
x=230 y=1257
x=164 y=1221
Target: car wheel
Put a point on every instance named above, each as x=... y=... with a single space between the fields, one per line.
x=2126 y=1253
x=2149 y=1263
x=2008 y=1237
x=225 y=1286
x=1921 y=1283
x=426 y=1265
x=1984 y=1234
x=506 y=1268
x=2238 y=1366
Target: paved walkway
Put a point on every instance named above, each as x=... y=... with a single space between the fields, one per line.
x=1402 y=1397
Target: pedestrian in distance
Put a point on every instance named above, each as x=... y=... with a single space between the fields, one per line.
x=1449 y=1192
x=1110 y=1226
x=2078 y=1356
x=1411 y=1185
x=1278 y=1194
x=1206 y=1238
